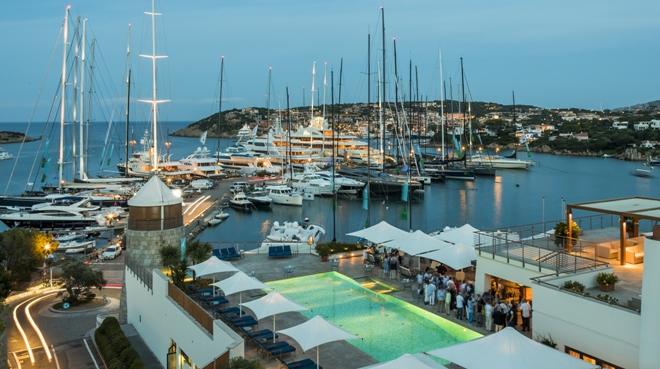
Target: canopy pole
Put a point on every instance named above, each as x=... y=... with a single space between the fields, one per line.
x=240 y=304
x=317 y=357
x=273 y=328
x=213 y=285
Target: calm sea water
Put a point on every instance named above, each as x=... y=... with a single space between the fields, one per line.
x=511 y=198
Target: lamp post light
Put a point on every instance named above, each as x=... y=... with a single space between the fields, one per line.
x=47 y=249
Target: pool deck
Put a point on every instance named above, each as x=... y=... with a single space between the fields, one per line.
x=336 y=355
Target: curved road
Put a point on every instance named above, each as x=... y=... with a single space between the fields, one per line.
x=38 y=338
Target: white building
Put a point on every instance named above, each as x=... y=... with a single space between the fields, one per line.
x=620 y=125
x=655 y=123
x=622 y=334
x=641 y=126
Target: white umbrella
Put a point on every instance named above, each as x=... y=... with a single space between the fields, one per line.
x=456 y=257
x=271 y=305
x=212 y=266
x=508 y=349
x=238 y=283
x=379 y=233
x=413 y=243
x=314 y=333
x=408 y=361
x=463 y=234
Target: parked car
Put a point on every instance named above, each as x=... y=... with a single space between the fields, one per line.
x=111 y=252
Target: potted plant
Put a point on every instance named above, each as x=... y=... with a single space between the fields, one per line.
x=562 y=238
x=324 y=251
x=606 y=281
x=574 y=286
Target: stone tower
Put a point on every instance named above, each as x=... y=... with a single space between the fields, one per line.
x=155 y=220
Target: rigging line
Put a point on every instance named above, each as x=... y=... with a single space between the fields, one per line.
x=42 y=87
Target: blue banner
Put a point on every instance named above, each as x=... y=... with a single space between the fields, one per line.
x=183 y=249
x=365 y=198
x=404 y=192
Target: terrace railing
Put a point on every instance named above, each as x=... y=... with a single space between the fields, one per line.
x=538 y=252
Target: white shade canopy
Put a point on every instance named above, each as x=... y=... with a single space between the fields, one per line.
x=239 y=282
x=272 y=304
x=508 y=349
x=379 y=233
x=407 y=361
x=414 y=243
x=316 y=332
x=211 y=266
x=456 y=257
x=459 y=235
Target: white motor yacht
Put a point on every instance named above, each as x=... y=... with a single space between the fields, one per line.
x=52 y=215
x=312 y=183
x=284 y=195
x=301 y=238
x=202 y=163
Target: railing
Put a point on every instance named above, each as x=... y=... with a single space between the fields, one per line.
x=140 y=272
x=540 y=253
x=198 y=313
x=633 y=305
x=586 y=223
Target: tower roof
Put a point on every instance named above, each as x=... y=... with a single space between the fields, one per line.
x=154 y=193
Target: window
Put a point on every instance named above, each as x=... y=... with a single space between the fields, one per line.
x=590 y=359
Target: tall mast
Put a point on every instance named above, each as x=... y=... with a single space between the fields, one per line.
x=381 y=123
x=325 y=85
x=90 y=90
x=81 y=163
x=65 y=38
x=341 y=75
x=443 y=94
x=154 y=92
x=332 y=122
x=313 y=88
x=383 y=97
x=417 y=101
x=288 y=134
x=464 y=106
x=75 y=40
x=128 y=96
x=513 y=97
x=368 y=194
x=222 y=82
x=396 y=104
x=270 y=71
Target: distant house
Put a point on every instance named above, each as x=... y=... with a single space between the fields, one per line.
x=648 y=144
x=566 y=135
x=655 y=123
x=620 y=125
x=582 y=136
x=641 y=126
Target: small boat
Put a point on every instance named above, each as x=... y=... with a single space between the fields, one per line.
x=654 y=162
x=643 y=172
x=214 y=221
x=222 y=215
x=71 y=236
x=240 y=202
x=5 y=155
x=75 y=247
x=284 y=195
x=260 y=199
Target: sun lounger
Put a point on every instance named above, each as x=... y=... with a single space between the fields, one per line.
x=232 y=310
x=280 y=251
x=244 y=321
x=302 y=364
x=278 y=350
x=227 y=253
x=262 y=334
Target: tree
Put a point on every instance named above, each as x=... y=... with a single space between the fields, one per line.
x=171 y=258
x=79 y=278
x=563 y=238
x=198 y=251
x=22 y=251
x=242 y=363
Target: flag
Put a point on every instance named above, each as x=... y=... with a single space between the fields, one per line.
x=365 y=198
x=183 y=248
x=404 y=192
x=404 y=213
x=457 y=145
x=202 y=139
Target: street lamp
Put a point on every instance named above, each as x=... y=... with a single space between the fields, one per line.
x=47 y=251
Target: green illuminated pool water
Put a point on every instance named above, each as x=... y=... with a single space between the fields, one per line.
x=387 y=327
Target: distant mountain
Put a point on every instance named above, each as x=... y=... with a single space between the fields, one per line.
x=651 y=105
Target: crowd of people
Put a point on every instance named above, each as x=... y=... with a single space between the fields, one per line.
x=459 y=299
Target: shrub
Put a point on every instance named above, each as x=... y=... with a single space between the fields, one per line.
x=548 y=341
x=329 y=248
x=574 y=286
x=608 y=299
x=115 y=347
x=561 y=233
x=606 y=279
x=243 y=363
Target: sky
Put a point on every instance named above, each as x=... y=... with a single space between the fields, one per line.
x=562 y=53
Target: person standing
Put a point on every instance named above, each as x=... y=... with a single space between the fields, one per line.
x=469 y=308
x=488 y=312
x=459 y=306
x=386 y=266
x=448 y=302
x=441 y=298
x=432 y=288
x=526 y=313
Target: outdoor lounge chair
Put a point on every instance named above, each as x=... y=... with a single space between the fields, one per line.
x=261 y=334
x=232 y=310
x=280 y=251
x=227 y=253
x=215 y=300
x=302 y=364
x=281 y=349
x=244 y=321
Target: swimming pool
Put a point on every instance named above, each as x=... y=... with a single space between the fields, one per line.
x=388 y=327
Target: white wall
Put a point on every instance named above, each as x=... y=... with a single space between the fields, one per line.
x=158 y=320
x=595 y=328
x=649 y=348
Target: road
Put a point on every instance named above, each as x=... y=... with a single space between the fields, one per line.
x=39 y=338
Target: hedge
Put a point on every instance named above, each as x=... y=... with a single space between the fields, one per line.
x=115 y=348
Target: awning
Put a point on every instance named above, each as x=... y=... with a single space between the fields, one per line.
x=456 y=257
x=211 y=266
x=379 y=233
x=463 y=235
x=415 y=243
x=508 y=349
x=240 y=282
x=271 y=305
x=408 y=361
